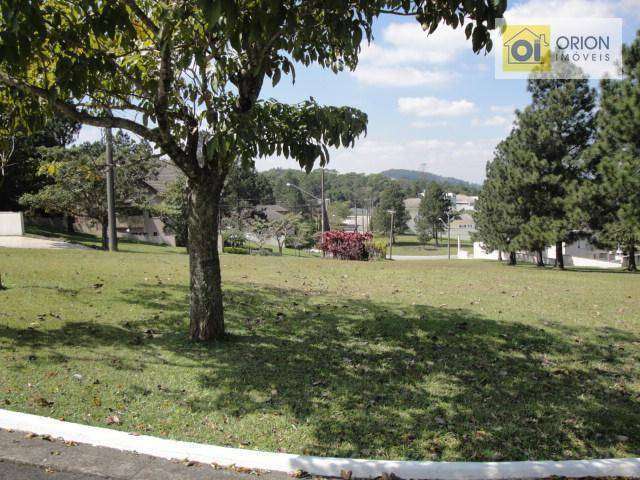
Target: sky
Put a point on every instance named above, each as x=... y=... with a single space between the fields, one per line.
x=433 y=104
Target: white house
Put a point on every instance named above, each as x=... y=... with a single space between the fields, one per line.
x=580 y=253
x=463 y=202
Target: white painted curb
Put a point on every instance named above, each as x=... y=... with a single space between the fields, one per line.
x=330 y=467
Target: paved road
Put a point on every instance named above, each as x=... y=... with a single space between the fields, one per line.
x=25 y=457
x=31 y=242
x=20 y=471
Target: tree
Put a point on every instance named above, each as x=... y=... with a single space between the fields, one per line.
x=304 y=236
x=78 y=179
x=261 y=230
x=556 y=129
x=173 y=210
x=188 y=75
x=434 y=208
x=610 y=201
x=244 y=188
x=498 y=211
x=338 y=212
x=283 y=227
x=391 y=198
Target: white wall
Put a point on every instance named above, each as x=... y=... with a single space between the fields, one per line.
x=480 y=253
x=11 y=223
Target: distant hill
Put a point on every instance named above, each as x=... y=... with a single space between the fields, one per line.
x=411 y=175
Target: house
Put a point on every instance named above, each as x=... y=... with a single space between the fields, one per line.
x=580 y=253
x=271 y=212
x=463 y=227
x=144 y=227
x=462 y=202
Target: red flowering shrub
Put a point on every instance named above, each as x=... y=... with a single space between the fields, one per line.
x=346 y=245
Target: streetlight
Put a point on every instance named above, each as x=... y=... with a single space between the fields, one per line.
x=392 y=212
x=448 y=227
x=325 y=217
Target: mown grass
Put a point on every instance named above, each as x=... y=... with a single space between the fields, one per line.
x=409 y=245
x=460 y=360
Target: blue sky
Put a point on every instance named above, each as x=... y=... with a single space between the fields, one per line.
x=432 y=103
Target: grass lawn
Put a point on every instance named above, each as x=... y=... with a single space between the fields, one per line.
x=409 y=245
x=461 y=360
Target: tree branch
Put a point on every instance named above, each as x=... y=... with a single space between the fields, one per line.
x=135 y=8
x=69 y=110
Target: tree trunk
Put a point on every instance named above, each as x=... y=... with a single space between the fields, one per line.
x=512 y=258
x=632 y=258
x=206 y=309
x=435 y=236
x=105 y=233
x=540 y=262
x=68 y=220
x=499 y=255
x=559 y=256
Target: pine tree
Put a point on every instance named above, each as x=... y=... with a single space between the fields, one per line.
x=546 y=160
x=612 y=197
x=498 y=214
x=433 y=210
x=391 y=198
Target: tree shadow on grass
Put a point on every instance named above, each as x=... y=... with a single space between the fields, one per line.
x=388 y=380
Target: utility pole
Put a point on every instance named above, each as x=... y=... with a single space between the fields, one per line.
x=448 y=226
x=111 y=201
x=325 y=216
x=449 y=237
x=356 y=204
x=392 y=212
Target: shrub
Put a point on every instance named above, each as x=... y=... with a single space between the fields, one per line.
x=346 y=245
x=236 y=250
x=234 y=238
x=377 y=249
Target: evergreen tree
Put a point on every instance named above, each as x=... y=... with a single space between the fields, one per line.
x=612 y=197
x=433 y=210
x=545 y=160
x=391 y=198
x=498 y=214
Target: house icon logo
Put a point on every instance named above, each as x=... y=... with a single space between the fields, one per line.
x=525 y=48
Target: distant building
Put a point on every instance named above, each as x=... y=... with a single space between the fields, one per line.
x=463 y=202
x=143 y=227
x=580 y=253
x=358 y=218
x=271 y=212
x=463 y=227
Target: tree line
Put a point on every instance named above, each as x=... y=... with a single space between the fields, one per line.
x=569 y=169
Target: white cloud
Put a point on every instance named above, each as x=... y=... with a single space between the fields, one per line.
x=405 y=56
x=401 y=76
x=434 y=107
x=629 y=7
x=436 y=124
x=564 y=8
x=493 y=121
x=502 y=108
x=461 y=159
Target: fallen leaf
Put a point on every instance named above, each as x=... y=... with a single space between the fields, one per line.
x=113 y=420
